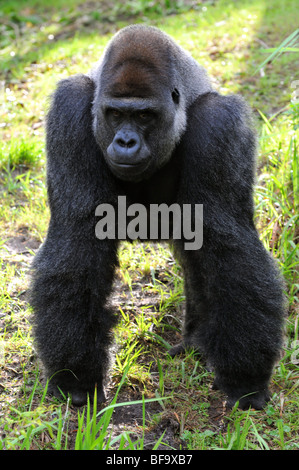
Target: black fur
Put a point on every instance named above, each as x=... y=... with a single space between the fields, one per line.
x=234 y=296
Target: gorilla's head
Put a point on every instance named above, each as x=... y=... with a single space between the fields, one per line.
x=139 y=111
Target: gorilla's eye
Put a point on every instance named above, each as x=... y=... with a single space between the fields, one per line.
x=144 y=116
x=115 y=113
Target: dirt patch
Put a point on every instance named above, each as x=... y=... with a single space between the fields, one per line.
x=22 y=243
x=132 y=417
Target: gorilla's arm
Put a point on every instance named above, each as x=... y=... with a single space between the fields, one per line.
x=233 y=291
x=75 y=164
x=72 y=276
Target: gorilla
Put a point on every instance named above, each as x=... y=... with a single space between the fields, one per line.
x=146 y=124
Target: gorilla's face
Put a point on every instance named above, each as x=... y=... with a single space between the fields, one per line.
x=138 y=118
x=135 y=135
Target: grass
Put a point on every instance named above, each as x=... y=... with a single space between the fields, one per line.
x=40 y=44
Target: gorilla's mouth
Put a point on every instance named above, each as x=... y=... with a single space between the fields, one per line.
x=129 y=171
x=125 y=165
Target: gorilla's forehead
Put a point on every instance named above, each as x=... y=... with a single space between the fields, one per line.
x=134 y=77
x=142 y=45
x=137 y=64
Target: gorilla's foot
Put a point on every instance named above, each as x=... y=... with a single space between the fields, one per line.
x=79 y=397
x=256 y=399
x=63 y=385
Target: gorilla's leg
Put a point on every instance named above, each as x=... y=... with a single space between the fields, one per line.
x=71 y=283
x=238 y=319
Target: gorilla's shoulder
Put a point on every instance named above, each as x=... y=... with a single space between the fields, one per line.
x=221 y=110
x=71 y=102
x=78 y=85
x=220 y=121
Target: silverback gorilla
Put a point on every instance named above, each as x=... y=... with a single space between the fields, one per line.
x=145 y=123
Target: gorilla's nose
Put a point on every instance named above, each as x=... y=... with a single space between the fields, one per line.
x=126 y=144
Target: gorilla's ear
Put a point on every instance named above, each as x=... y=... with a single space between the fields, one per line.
x=176 y=96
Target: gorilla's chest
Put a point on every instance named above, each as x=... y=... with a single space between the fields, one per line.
x=160 y=188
